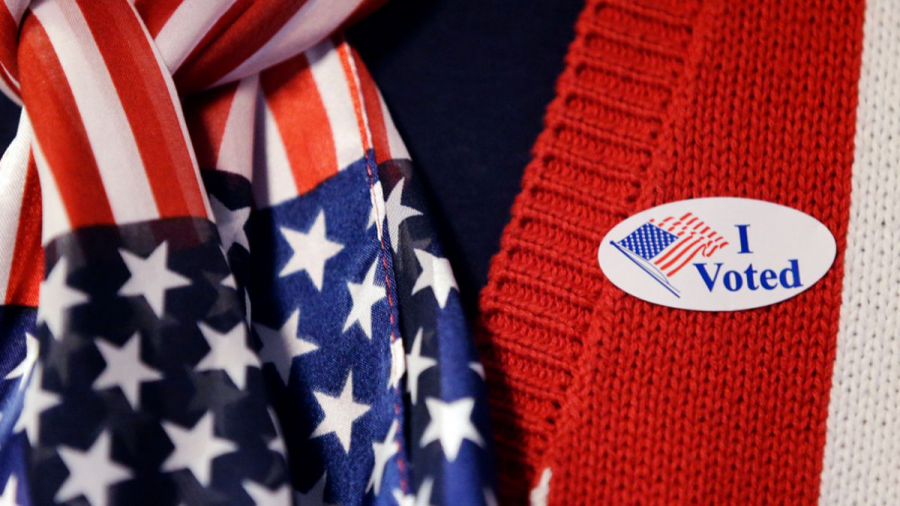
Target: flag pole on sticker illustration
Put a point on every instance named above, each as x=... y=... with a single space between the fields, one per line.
x=717 y=254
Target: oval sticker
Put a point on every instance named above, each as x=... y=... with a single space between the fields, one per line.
x=717 y=254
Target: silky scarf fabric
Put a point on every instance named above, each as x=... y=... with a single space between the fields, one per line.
x=220 y=262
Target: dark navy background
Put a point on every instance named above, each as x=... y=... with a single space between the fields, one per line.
x=9 y=121
x=467 y=82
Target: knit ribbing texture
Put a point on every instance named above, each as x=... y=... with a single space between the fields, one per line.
x=862 y=453
x=628 y=402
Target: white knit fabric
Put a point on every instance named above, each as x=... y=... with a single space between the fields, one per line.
x=862 y=450
x=540 y=494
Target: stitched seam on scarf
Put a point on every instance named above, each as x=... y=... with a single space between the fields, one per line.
x=352 y=79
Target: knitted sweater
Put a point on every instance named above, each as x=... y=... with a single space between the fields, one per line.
x=598 y=397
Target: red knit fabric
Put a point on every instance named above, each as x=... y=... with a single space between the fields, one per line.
x=628 y=402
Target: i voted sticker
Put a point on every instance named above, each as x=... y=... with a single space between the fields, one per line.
x=717 y=254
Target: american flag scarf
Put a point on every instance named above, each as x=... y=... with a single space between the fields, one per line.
x=219 y=280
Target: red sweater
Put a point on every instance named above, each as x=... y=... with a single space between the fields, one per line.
x=610 y=399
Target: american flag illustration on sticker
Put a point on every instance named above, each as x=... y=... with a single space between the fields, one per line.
x=662 y=248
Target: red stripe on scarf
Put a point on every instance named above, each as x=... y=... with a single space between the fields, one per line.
x=239 y=34
x=59 y=130
x=149 y=106
x=353 y=84
x=26 y=271
x=372 y=103
x=156 y=13
x=206 y=117
x=302 y=120
x=9 y=30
